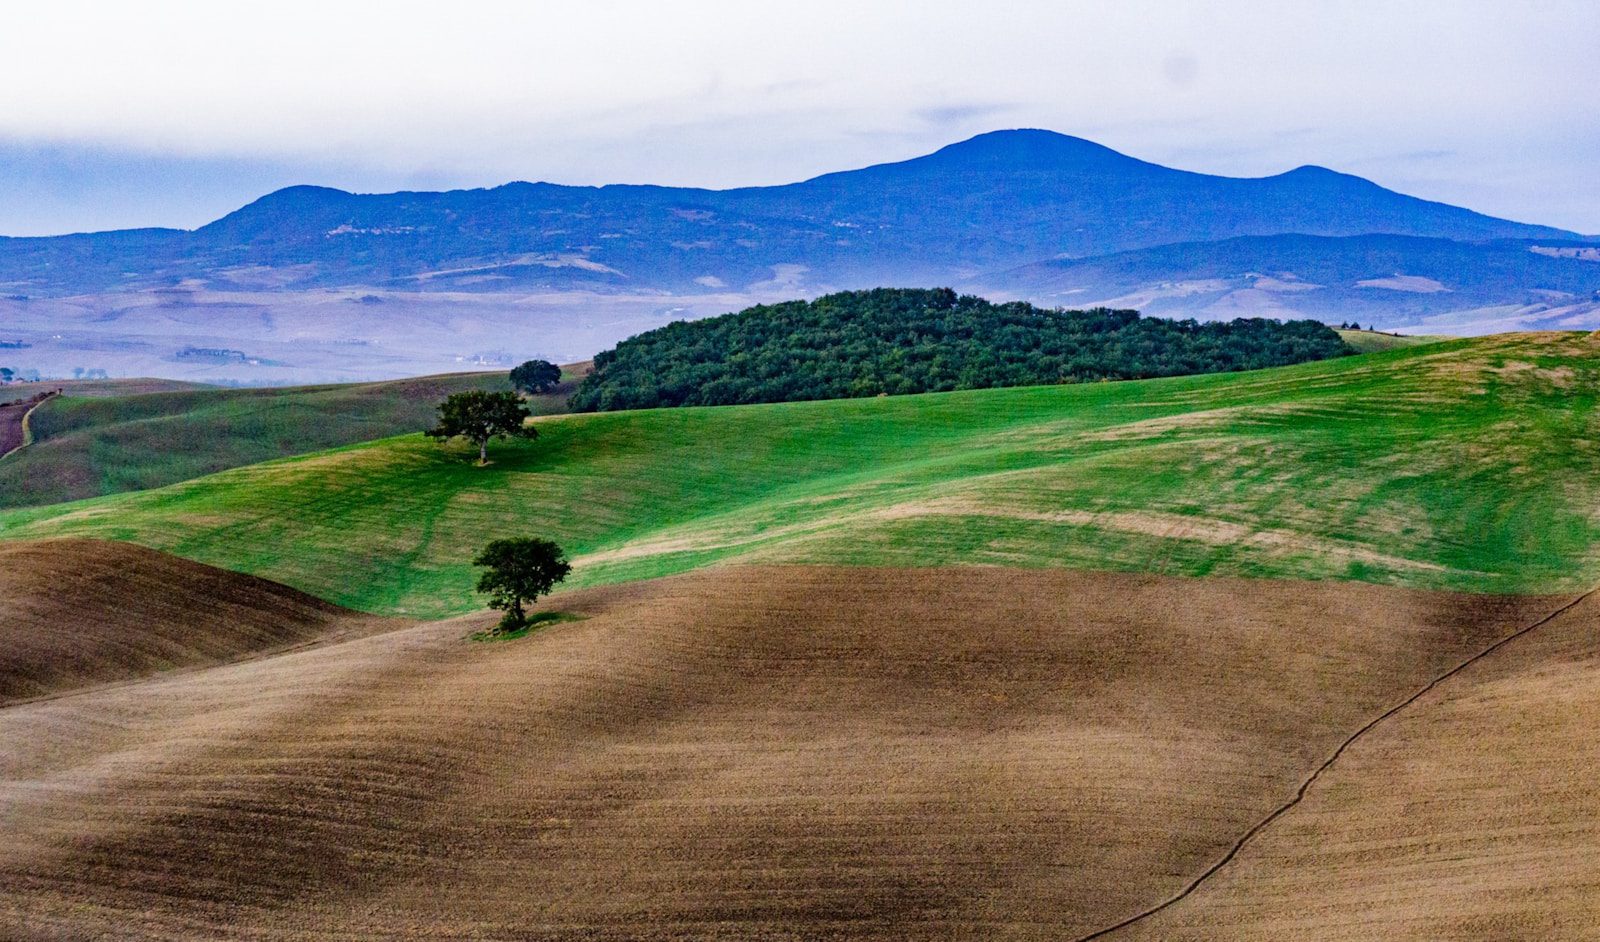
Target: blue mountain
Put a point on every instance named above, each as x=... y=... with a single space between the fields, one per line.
x=992 y=203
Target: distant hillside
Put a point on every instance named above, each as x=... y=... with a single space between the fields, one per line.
x=1388 y=279
x=1371 y=341
x=92 y=442
x=998 y=200
x=910 y=340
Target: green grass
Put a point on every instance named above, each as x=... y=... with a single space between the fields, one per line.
x=1470 y=464
x=1371 y=341
x=91 y=441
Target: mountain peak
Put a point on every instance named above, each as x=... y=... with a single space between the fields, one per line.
x=304 y=192
x=1315 y=172
x=291 y=205
x=1031 y=149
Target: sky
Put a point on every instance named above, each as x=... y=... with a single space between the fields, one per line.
x=174 y=113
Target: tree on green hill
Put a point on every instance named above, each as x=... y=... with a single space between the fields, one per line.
x=536 y=376
x=479 y=416
x=518 y=571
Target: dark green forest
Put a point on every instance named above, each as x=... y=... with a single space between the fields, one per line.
x=895 y=341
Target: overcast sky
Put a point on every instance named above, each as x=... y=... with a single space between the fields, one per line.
x=171 y=114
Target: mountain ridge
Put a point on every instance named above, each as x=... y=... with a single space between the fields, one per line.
x=991 y=202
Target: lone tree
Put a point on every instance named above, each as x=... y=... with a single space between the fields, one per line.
x=479 y=416
x=536 y=376
x=519 y=570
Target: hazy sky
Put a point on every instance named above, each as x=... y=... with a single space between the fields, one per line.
x=167 y=113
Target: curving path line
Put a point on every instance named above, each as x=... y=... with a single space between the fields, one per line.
x=14 y=422
x=1327 y=763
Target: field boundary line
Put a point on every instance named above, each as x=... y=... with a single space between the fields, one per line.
x=1316 y=774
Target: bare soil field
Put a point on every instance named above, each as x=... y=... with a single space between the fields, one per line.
x=14 y=420
x=792 y=753
x=1474 y=815
x=74 y=613
x=11 y=432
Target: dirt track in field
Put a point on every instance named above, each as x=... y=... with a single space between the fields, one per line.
x=76 y=613
x=811 y=752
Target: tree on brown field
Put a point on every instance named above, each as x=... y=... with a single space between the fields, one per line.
x=519 y=571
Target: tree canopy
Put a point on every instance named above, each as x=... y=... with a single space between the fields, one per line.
x=892 y=341
x=518 y=571
x=536 y=376
x=479 y=416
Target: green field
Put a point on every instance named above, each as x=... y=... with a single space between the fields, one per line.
x=1470 y=464
x=93 y=440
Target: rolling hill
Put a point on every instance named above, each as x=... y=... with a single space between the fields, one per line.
x=82 y=613
x=760 y=753
x=1466 y=465
x=94 y=441
x=850 y=669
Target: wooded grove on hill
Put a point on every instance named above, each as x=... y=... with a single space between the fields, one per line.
x=897 y=341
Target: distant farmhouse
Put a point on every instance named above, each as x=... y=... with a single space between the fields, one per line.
x=216 y=355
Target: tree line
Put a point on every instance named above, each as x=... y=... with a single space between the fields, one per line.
x=892 y=341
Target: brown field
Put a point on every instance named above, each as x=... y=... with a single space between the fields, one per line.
x=830 y=753
x=75 y=613
x=11 y=430
x=1474 y=815
x=14 y=414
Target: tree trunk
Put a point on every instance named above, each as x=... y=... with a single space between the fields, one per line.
x=483 y=452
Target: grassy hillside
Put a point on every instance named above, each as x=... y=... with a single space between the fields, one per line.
x=1372 y=341
x=93 y=441
x=1471 y=464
